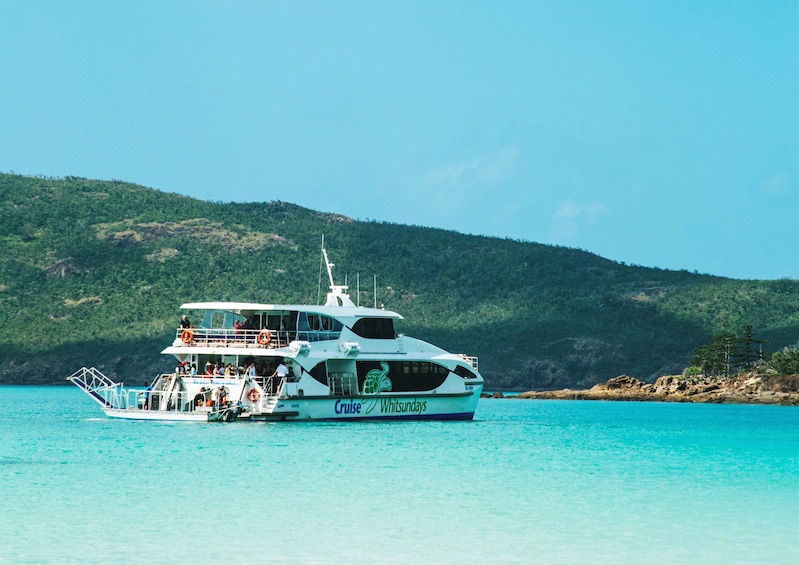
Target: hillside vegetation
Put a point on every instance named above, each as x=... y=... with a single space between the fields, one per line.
x=93 y=273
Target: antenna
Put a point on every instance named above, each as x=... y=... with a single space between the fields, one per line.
x=375 y=277
x=319 y=285
x=329 y=269
x=338 y=293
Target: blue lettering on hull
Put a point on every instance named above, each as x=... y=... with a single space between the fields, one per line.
x=348 y=407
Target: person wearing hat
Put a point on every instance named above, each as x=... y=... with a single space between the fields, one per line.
x=209 y=370
x=185 y=323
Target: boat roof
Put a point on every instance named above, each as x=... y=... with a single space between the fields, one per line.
x=332 y=311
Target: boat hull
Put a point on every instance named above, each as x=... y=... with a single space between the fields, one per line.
x=382 y=407
x=163 y=415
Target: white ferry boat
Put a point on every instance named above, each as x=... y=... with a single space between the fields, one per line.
x=339 y=361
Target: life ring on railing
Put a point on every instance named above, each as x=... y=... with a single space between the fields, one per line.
x=187 y=336
x=264 y=337
x=254 y=395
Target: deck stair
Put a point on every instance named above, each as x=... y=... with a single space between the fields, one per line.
x=265 y=406
x=171 y=387
x=268 y=403
x=269 y=397
x=100 y=388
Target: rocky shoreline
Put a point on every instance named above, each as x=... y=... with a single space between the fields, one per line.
x=743 y=389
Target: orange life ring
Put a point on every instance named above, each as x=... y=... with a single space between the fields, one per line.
x=187 y=336
x=254 y=395
x=264 y=337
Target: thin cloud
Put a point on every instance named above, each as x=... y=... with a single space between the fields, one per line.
x=569 y=210
x=487 y=169
x=571 y=218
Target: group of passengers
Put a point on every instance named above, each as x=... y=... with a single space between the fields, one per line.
x=220 y=369
x=229 y=370
x=239 y=327
x=186 y=368
x=273 y=375
x=214 y=398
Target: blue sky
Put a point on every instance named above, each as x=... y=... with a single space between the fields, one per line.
x=657 y=133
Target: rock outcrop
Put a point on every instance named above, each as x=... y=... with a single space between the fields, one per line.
x=743 y=389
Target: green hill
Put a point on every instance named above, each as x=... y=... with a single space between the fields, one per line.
x=93 y=273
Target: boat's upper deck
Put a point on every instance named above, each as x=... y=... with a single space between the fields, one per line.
x=270 y=326
x=249 y=308
x=256 y=325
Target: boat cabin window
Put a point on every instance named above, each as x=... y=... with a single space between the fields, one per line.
x=218 y=319
x=375 y=328
x=463 y=372
x=319 y=372
x=274 y=321
x=404 y=376
x=423 y=367
x=317 y=327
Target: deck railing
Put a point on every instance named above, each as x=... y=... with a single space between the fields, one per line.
x=271 y=386
x=172 y=400
x=471 y=360
x=272 y=339
x=110 y=394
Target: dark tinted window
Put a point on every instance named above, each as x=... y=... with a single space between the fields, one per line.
x=319 y=372
x=375 y=328
x=405 y=376
x=462 y=371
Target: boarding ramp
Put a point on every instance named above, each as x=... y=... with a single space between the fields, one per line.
x=101 y=389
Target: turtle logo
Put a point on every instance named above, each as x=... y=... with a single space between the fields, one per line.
x=376 y=381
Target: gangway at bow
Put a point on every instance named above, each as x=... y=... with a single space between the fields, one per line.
x=102 y=389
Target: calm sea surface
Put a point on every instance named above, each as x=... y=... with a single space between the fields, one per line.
x=526 y=482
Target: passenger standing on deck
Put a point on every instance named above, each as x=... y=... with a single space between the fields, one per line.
x=278 y=376
x=185 y=323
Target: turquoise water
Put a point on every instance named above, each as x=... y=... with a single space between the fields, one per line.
x=526 y=482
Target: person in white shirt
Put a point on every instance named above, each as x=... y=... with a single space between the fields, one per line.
x=277 y=377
